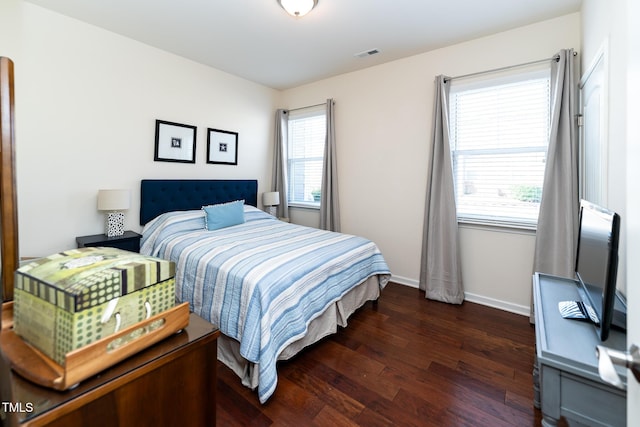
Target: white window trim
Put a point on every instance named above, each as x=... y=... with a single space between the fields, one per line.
x=309 y=205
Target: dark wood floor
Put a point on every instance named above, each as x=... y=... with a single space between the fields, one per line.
x=407 y=362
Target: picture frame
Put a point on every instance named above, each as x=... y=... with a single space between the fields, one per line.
x=222 y=147
x=175 y=142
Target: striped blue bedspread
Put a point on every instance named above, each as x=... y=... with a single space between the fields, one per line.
x=262 y=281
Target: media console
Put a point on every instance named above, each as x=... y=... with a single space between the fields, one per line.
x=566 y=379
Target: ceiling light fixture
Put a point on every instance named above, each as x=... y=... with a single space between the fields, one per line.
x=298 y=8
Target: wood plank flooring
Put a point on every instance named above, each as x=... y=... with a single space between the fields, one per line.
x=406 y=362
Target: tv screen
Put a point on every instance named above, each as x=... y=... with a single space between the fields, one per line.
x=597 y=261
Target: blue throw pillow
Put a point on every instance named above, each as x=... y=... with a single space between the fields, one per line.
x=223 y=215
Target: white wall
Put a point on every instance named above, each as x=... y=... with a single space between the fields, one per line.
x=615 y=25
x=383 y=123
x=86 y=104
x=69 y=145
x=604 y=29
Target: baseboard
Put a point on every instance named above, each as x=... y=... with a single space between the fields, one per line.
x=405 y=281
x=502 y=305
x=478 y=299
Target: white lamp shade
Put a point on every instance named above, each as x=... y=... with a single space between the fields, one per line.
x=298 y=7
x=114 y=200
x=271 y=198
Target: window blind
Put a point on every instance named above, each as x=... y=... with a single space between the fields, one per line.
x=307 y=128
x=499 y=138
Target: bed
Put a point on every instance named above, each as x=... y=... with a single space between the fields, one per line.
x=273 y=288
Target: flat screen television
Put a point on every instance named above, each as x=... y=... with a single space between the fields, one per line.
x=597 y=266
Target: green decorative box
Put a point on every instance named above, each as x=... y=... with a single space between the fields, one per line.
x=73 y=298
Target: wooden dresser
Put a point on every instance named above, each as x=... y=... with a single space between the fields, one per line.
x=172 y=383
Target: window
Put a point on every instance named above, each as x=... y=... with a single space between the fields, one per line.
x=305 y=154
x=499 y=139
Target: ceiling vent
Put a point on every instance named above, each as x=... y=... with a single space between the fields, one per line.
x=367 y=53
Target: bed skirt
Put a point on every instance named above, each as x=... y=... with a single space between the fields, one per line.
x=326 y=324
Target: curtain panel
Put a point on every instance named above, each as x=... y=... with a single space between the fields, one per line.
x=279 y=178
x=440 y=272
x=329 y=203
x=557 y=228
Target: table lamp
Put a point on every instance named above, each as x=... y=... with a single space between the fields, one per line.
x=270 y=200
x=114 y=202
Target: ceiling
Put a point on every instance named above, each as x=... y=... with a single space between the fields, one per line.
x=259 y=41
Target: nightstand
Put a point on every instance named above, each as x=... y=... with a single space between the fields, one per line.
x=129 y=241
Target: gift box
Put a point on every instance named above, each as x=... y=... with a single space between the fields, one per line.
x=73 y=298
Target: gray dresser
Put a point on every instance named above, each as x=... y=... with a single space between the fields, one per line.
x=566 y=380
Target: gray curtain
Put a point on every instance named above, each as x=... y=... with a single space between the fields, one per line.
x=559 y=207
x=329 y=204
x=440 y=273
x=279 y=178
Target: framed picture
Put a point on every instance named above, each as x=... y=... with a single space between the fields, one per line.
x=175 y=142
x=222 y=147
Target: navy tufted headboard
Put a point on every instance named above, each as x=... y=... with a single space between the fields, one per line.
x=158 y=196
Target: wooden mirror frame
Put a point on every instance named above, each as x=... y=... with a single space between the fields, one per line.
x=8 y=196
